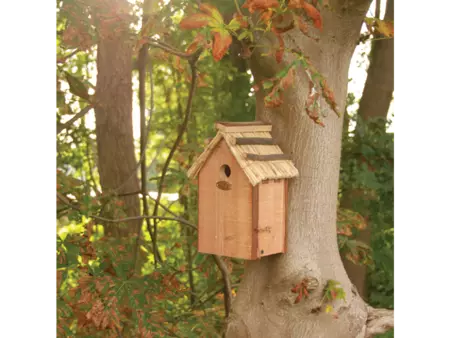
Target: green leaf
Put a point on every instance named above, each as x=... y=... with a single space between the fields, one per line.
x=243 y=35
x=77 y=87
x=234 y=25
x=267 y=84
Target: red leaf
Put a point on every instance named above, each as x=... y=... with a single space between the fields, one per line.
x=287 y=81
x=241 y=19
x=314 y=14
x=296 y=3
x=298 y=299
x=212 y=12
x=178 y=64
x=280 y=51
x=222 y=40
x=333 y=294
x=266 y=15
x=274 y=99
x=253 y=5
x=208 y=9
x=201 y=81
x=329 y=97
x=196 y=20
x=199 y=39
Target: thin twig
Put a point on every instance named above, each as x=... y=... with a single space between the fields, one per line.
x=68 y=56
x=66 y=201
x=145 y=130
x=227 y=283
x=77 y=116
x=192 y=62
x=168 y=49
x=200 y=303
x=238 y=8
x=88 y=157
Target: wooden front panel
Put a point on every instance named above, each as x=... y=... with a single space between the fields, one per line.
x=225 y=207
x=272 y=199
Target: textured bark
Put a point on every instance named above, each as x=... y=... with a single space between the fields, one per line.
x=375 y=102
x=113 y=114
x=264 y=306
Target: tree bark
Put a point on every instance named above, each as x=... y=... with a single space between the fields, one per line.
x=113 y=114
x=264 y=306
x=374 y=103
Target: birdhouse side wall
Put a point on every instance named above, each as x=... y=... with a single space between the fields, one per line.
x=272 y=203
x=224 y=206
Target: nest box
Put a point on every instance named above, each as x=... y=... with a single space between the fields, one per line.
x=242 y=186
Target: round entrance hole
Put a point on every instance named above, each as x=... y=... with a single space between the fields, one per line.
x=226 y=170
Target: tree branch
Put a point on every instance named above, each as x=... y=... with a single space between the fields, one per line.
x=77 y=116
x=145 y=130
x=192 y=62
x=66 y=201
x=378 y=321
x=227 y=283
x=169 y=49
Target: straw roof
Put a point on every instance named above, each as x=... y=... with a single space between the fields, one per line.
x=257 y=168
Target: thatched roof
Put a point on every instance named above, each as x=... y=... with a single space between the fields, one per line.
x=254 y=149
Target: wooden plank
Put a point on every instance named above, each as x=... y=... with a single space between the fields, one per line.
x=255 y=222
x=247 y=123
x=270 y=157
x=234 y=127
x=240 y=141
x=285 y=214
x=271 y=218
x=225 y=216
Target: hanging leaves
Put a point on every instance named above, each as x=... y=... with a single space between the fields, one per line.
x=329 y=96
x=254 y=5
x=212 y=18
x=197 y=20
x=222 y=40
x=280 y=51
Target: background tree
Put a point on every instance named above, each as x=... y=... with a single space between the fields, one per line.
x=370 y=142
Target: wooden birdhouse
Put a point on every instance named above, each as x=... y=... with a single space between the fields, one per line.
x=242 y=186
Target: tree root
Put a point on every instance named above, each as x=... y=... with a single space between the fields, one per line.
x=378 y=321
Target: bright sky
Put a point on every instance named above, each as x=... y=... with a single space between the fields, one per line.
x=357 y=73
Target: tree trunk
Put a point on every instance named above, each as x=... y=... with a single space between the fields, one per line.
x=374 y=103
x=264 y=306
x=377 y=94
x=113 y=114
